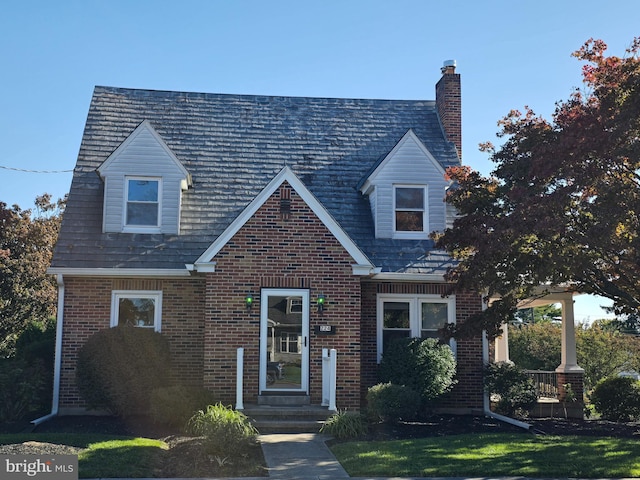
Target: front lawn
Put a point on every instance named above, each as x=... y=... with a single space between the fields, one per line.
x=108 y=456
x=494 y=454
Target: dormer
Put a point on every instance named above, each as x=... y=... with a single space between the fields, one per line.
x=143 y=185
x=406 y=192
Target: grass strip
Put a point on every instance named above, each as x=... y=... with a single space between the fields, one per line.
x=104 y=456
x=493 y=455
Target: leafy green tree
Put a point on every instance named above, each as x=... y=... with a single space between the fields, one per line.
x=536 y=346
x=602 y=353
x=27 y=293
x=561 y=206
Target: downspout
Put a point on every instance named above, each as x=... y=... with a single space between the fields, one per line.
x=486 y=399
x=57 y=364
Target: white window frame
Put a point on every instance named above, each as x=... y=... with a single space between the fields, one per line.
x=141 y=228
x=155 y=295
x=402 y=234
x=415 y=302
x=286 y=338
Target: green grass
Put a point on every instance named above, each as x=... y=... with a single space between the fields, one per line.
x=104 y=456
x=493 y=455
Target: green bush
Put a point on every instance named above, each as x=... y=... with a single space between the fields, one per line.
x=390 y=402
x=226 y=431
x=35 y=346
x=617 y=399
x=512 y=389
x=426 y=366
x=173 y=406
x=20 y=389
x=344 y=425
x=119 y=367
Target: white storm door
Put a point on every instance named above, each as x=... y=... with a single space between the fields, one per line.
x=284 y=340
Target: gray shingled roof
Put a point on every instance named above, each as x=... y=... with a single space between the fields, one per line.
x=233 y=145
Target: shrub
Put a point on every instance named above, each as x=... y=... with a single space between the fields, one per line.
x=426 y=366
x=35 y=346
x=617 y=399
x=20 y=389
x=226 y=431
x=119 y=367
x=389 y=402
x=173 y=406
x=513 y=390
x=344 y=425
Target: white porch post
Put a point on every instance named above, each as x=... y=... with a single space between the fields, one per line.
x=239 y=377
x=569 y=360
x=501 y=353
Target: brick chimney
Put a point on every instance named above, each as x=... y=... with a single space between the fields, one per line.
x=449 y=104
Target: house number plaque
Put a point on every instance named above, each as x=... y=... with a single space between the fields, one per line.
x=325 y=329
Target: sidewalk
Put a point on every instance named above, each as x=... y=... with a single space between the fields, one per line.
x=300 y=456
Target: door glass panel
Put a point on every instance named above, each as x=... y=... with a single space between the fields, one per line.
x=284 y=342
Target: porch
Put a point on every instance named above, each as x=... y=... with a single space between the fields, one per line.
x=560 y=392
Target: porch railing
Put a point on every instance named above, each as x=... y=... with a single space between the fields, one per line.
x=546 y=383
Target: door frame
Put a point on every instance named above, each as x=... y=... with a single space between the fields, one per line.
x=264 y=331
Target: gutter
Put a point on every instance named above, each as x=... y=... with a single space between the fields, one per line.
x=57 y=364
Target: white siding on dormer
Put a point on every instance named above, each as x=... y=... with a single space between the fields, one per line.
x=143 y=154
x=408 y=164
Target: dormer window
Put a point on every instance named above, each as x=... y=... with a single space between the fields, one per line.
x=143 y=202
x=410 y=212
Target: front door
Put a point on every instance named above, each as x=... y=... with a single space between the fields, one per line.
x=284 y=340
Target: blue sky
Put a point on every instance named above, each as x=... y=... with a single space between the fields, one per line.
x=509 y=54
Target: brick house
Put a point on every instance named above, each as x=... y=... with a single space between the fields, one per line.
x=277 y=225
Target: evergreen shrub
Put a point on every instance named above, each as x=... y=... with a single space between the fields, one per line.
x=424 y=365
x=389 y=402
x=617 y=399
x=119 y=367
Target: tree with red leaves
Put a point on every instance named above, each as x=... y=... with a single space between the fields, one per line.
x=27 y=293
x=562 y=205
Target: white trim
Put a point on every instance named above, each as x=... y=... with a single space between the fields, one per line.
x=156 y=295
x=414 y=301
x=407 y=234
x=118 y=272
x=285 y=175
x=411 y=277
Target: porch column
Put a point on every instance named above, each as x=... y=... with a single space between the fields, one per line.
x=501 y=343
x=570 y=376
x=569 y=362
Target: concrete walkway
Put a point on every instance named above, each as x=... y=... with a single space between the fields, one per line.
x=300 y=456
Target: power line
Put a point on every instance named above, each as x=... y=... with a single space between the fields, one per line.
x=34 y=171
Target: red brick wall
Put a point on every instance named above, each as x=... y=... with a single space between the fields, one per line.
x=282 y=249
x=87 y=309
x=467 y=395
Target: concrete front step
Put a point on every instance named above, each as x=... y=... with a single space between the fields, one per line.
x=287 y=419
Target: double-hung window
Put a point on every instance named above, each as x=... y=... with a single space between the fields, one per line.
x=137 y=308
x=410 y=316
x=410 y=212
x=290 y=343
x=142 y=209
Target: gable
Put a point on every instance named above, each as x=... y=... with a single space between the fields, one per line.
x=143 y=156
x=362 y=265
x=409 y=165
